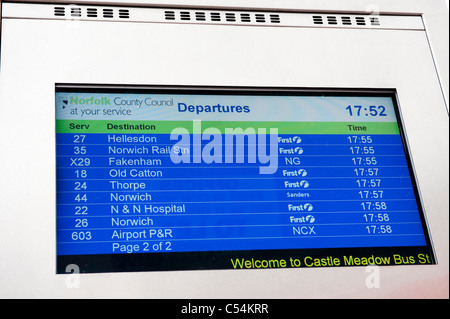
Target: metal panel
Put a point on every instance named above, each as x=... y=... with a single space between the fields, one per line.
x=67 y=51
x=199 y=16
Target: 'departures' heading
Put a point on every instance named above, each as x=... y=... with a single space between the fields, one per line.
x=182 y=107
x=218 y=108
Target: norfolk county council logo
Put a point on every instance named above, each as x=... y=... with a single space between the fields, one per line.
x=75 y=100
x=117 y=100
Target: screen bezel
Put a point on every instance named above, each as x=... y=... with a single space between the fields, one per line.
x=207 y=260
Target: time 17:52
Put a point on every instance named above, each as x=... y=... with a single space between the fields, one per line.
x=359 y=110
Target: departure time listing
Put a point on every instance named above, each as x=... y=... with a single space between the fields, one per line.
x=262 y=191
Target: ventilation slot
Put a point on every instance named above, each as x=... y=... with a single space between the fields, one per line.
x=360 y=21
x=169 y=15
x=108 y=13
x=332 y=20
x=260 y=18
x=374 y=21
x=91 y=12
x=75 y=12
x=185 y=15
x=245 y=17
x=230 y=17
x=275 y=18
x=124 y=14
x=59 y=11
x=317 y=20
x=200 y=16
x=215 y=16
x=346 y=21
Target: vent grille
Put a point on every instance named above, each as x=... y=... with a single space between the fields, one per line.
x=200 y=16
x=261 y=18
x=89 y=12
x=185 y=15
x=218 y=17
x=124 y=14
x=245 y=17
x=332 y=20
x=75 y=12
x=360 y=21
x=92 y=12
x=275 y=18
x=59 y=11
x=230 y=17
x=374 y=21
x=169 y=15
x=215 y=16
x=317 y=20
x=108 y=13
x=345 y=20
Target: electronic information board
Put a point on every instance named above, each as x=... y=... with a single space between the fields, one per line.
x=182 y=178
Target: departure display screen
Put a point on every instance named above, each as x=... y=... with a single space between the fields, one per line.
x=157 y=178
